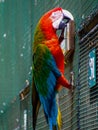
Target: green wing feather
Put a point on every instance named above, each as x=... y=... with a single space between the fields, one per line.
x=40 y=68
x=45 y=70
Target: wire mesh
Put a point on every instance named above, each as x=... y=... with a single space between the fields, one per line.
x=88 y=100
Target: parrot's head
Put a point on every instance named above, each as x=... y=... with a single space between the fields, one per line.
x=49 y=23
x=56 y=18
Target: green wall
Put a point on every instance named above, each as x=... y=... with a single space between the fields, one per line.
x=15 y=48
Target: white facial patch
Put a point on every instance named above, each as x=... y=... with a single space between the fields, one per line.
x=56 y=18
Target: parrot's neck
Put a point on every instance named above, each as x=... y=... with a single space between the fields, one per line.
x=46 y=35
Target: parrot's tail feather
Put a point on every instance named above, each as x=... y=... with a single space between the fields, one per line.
x=36 y=105
x=54 y=127
x=35 y=113
x=59 y=119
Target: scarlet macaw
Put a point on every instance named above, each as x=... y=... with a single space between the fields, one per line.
x=48 y=64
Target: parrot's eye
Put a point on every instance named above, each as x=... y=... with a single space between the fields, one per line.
x=56 y=15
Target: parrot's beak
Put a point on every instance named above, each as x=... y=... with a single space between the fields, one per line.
x=67 y=16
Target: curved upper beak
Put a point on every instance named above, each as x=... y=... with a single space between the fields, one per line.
x=67 y=14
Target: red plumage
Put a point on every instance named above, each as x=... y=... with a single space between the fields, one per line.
x=53 y=43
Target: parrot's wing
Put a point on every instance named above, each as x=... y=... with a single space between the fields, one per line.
x=45 y=77
x=45 y=70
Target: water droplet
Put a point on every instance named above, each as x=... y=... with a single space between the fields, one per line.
x=4 y=35
x=2 y=111
x=21 y=54
x=4 y=104
x=23 y=47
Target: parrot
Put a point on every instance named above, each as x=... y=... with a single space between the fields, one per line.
x=48 y=65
